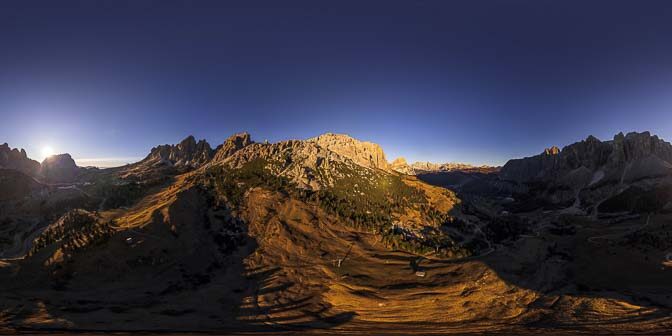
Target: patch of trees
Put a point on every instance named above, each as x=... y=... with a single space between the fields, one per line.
x=116 y=193
x=362 y=199
x=507 y=227
x=74 y=231
x=231 y=184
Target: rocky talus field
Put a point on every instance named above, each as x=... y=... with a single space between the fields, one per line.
x=325 y=236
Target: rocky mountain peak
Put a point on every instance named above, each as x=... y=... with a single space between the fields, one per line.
x=426 y=166
x=188 y=144
x=303 y=162
x=400 y=161
x=232 y=144
x=18 y=160
x=59 y=168
x=592 y=138
x=401 y=166
x=554 y=150
x=630 y=157
x=188 y=153
x=363 y=153
x=639 y=145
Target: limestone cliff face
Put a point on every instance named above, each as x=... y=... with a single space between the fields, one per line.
x=303 y=162
x=363 y=153
x=59 y=169
x=18 y=160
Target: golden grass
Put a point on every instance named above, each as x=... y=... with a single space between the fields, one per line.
x=141 y=213
x=442 y=199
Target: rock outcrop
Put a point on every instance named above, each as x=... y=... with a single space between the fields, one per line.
x=18 y=160
x=15 y=185
x=233 y=144
x=401 y=166
x=188 y=153
x=554 y=150
x=59 y=168
x=363 y=153
x=303 y=162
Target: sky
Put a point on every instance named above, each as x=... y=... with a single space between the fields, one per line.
x=445 y=81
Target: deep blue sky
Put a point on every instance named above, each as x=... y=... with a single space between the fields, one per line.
x=472 y=81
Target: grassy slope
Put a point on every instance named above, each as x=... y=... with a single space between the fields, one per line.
x=408 y=214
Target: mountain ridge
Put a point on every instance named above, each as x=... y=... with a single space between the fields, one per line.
x=307 y=234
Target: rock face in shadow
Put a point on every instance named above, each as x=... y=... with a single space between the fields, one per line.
x=168 y=160
x=188 y=153
x=18 y=160
x=589 y=172
x=59 y=169
x=633 y=156
x=15 y=185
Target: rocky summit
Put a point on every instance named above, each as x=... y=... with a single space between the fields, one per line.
x=592 y=173
x=59 y=168
x=187 y=153
x=18 y=160
x=363 y=153
x=401 y=166
x=625 y=158
x=231 y=145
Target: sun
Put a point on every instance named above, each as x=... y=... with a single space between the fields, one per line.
x=47 y=151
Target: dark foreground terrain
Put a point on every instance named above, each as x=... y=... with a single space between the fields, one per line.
x=315 y=237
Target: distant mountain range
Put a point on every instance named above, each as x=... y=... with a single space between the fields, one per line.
x=54 y=169
x=400 y=165
x=189 y=154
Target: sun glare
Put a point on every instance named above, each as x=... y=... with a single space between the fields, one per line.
x=47 y=151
